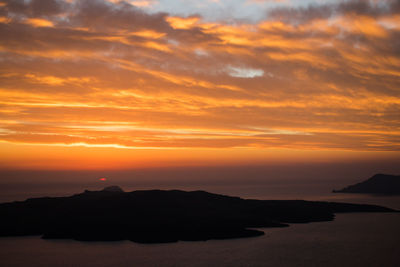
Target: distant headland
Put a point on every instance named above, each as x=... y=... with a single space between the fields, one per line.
x=156 y=216
x=382 y=184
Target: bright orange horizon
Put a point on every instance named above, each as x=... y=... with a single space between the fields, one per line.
x=118 y=85
x=77 y=157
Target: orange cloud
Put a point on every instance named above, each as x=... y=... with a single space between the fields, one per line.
x=5 y=20
x=182 y=23
x=38 y=22
x=163 y=89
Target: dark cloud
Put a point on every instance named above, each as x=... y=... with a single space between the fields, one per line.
x=301 y=15
x=36 y=8
x=102 y=15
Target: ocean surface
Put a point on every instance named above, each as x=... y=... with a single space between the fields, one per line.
x=356 y=239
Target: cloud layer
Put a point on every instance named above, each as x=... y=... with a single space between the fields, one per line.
x=114 y=73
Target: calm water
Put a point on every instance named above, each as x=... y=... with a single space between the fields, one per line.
x=369 y=239
x=351 y=240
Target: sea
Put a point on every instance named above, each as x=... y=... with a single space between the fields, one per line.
x=353 y=239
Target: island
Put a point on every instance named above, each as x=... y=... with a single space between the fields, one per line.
x=382 y=184
x=156 y=216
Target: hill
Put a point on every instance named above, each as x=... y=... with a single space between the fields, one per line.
x=383 y=184
x=155 y=216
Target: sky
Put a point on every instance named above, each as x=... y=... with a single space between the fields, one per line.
x=145 y=83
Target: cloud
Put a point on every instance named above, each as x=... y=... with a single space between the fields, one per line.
x=35 y=22
x=110 y=74
x=143 y=3
x=299 y=15
x=35 y=8
x=182 y=23
x=244 y=72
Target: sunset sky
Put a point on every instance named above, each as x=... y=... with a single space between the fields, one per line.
x=147 y=83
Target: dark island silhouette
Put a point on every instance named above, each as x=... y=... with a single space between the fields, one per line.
x=157 y=216
x=382 y=184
